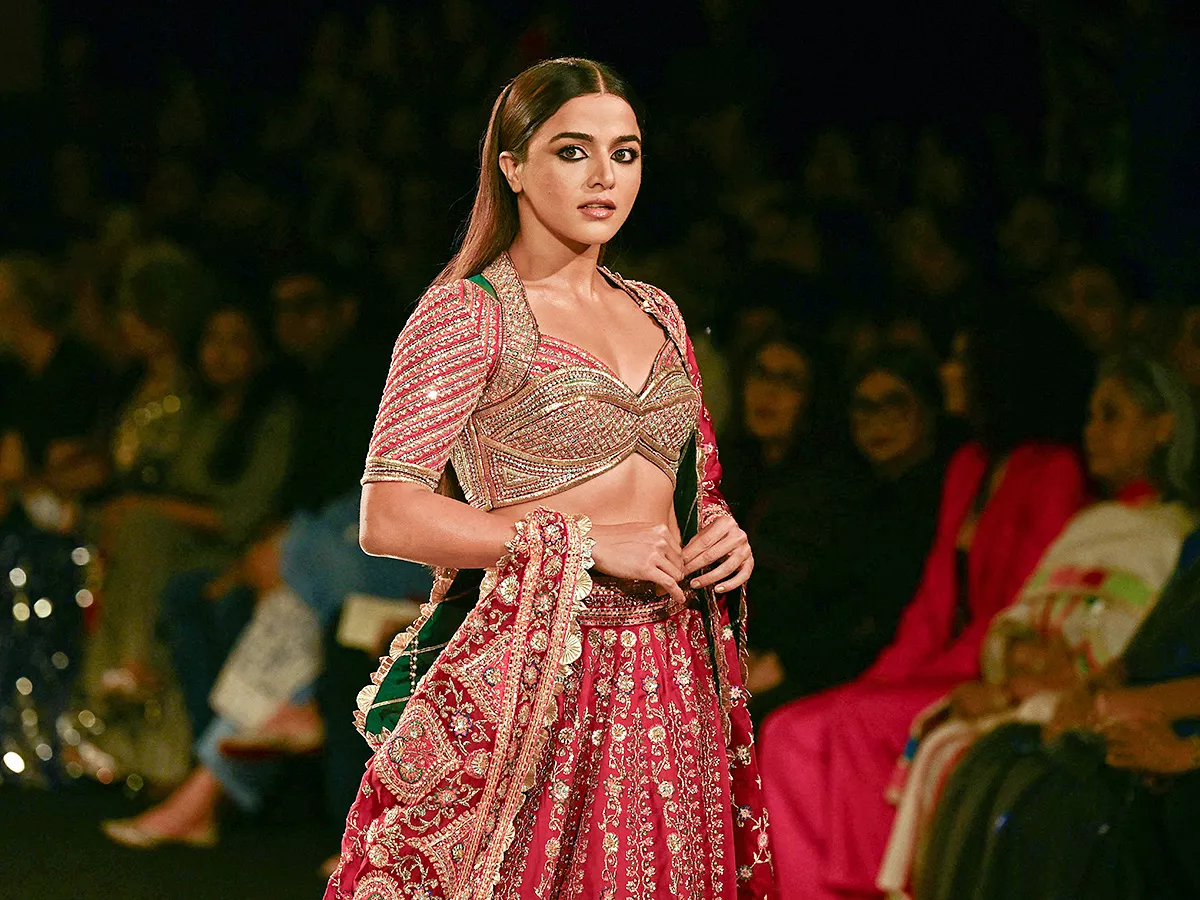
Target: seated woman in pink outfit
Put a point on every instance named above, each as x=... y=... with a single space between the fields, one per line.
x=826 y=759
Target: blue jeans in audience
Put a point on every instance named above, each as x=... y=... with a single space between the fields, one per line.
x=322 y=562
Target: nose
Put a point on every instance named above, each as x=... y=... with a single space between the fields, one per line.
x=602 y=173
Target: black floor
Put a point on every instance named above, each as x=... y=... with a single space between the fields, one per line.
x=51 y=849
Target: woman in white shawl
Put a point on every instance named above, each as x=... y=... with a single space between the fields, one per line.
x=1084 y=601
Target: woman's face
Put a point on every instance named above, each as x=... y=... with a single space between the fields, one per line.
x=776 y=392
x=1121 y=439
x=229 y=352
x=886 y=419
x=581 y=172
x=1091 y=301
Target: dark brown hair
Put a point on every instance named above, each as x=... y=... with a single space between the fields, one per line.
x=525 y=104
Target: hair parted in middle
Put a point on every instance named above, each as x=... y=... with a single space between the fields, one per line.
x=525 y=104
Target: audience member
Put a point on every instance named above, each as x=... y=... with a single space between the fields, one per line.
x=1101 y=802
x=895 y=418
x=789 y=493
x=826 y=760
x=1084 y=600
x=223 y=483
x=54 y=394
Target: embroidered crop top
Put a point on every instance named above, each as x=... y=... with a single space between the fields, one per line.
x=522 y=416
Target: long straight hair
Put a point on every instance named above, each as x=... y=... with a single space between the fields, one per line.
x=525 y=104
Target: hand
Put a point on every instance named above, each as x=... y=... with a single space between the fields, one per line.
x=641 y=551
x=1076 y=710
x=225 y=582
x=1126 y=705
x=1148 y=745
x=977 y=698
x=721 y=539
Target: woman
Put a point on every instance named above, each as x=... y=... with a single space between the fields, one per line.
x=827 y=758
x=220 y=487
x=1111 y=784
x=896 y=425
x=163 y=299
x=582 y=734
x=791 y=496
x=1087 y=596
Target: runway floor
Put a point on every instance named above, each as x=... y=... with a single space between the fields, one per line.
x=51 y=849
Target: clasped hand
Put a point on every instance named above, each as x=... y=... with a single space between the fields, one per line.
x=650 y=552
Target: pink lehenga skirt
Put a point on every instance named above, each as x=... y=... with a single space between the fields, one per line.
x=631 y=799
x=568 y=743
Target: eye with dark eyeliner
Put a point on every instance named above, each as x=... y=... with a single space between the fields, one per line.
x=575 y=153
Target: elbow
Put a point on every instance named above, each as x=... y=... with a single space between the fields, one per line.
x=376 y=539
x=385 y=523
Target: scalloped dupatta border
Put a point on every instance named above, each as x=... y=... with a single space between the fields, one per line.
x=436 y=811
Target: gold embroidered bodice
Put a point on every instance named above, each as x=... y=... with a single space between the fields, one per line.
x=520 y=416
x=572 y=422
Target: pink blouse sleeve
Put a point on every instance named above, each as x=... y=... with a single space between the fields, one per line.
x=440 y=367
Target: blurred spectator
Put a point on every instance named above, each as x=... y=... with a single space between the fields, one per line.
x=789 y=491
x=1034 y=240
x=895 y=418
x=162 y=300
x=54 y=394
x=1097 y=299
x=1140 y=442
x=335 y=378
x=827 y=759
x=222 y=484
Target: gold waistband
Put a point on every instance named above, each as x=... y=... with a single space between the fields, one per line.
x=615 y=601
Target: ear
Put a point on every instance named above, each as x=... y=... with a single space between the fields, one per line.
x=510 y=168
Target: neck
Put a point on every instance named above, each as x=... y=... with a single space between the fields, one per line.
x=229 y=404
x=1135 y=491
x=37 y=350
x=894 y=469
x=542 y=259
x=774 y=451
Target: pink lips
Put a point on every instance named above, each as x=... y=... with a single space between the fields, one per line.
x=599 y=209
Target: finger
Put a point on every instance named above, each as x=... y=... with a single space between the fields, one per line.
x=706 y=538
x=731 y=564
x=673 y=553
x=672 y=568
x=664 y=579
x=723 y=548
x=737 y=580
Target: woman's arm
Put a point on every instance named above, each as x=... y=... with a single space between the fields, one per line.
x=243 y=505
x=1168 y=700
x=408 y=521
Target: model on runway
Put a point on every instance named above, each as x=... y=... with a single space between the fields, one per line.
x=566 y=718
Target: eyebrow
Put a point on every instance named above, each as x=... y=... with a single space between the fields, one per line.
x=580 y=136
